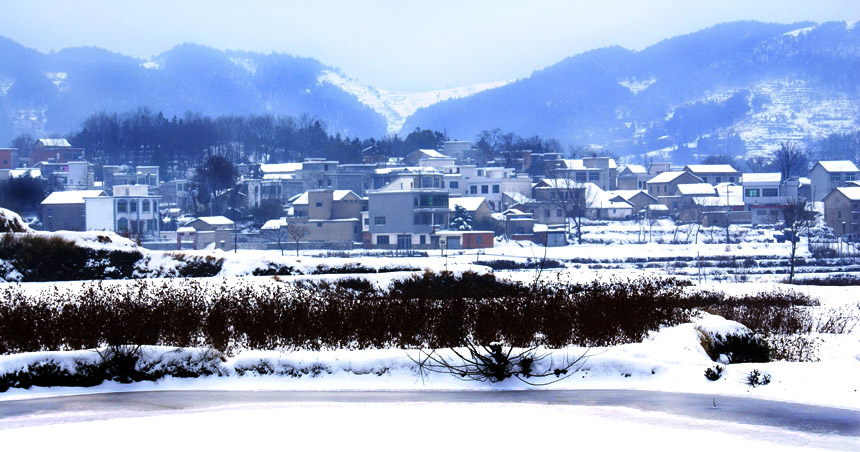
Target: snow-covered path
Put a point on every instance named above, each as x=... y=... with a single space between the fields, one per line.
x=428 y=420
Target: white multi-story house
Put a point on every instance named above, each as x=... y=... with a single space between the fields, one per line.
x=131 y=210
x=827 y=175
x=486 y=182
x=764 y=196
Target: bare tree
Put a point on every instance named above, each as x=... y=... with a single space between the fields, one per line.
x=276 y=230
x=790 y=159
x=296 y=232
x=758 y=164
x=573 y=198
x=798 y=218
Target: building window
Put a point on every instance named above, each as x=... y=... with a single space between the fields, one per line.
x=485 y=189
x=674 y=206
x=478 y=239
x=835 y=177
x=732 y=179
x=665 y=188
x=122 y=225
x=122 y=206
x=319 y=225
x=705 y=179
x=480 y=172
x=367 y=221
x=495 y=188
x=770 y=192
x=454 y=184
x=580 y=177
x=149 y=225
x=379 y=221
x=318 y=204
x=546 y=213
x=382 y=240
x=422 y=239
x=519 y=230
x=132 y=206
x=751 y=193
x=558 y=212
x=719 y=179
x=473 y=189
x=146 y=205
x=593 y=177
x=849 y=177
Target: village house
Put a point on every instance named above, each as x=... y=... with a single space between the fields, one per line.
x=55 y=150
x=826 y=176
x=632 y=177
x=405 y=213
x=206 y=232
x=714 y=174
x=842 y=211
x=666 y=183
x=66 y=210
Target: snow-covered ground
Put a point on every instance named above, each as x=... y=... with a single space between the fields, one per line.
x=415 y=426
x=669 y=360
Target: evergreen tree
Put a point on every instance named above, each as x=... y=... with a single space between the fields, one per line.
x=461 y=220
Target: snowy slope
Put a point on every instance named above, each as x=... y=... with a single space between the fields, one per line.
x=396 y=106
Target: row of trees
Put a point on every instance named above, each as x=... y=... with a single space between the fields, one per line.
x=141 y=137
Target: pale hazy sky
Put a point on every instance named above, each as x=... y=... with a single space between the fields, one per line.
x=402 y=45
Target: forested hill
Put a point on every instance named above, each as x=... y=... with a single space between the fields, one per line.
x=759 y=82
x=44 y=94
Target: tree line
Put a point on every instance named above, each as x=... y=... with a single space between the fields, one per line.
x=142 y=137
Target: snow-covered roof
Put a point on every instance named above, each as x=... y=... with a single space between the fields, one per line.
x=838 y=166
x=275 y=224
x=574 y=164
x=432 y=153
x=635 y=169
x=517 y=197
x=280 y=167
x=277 y=176
x=761 y=177
x=470 y=203
x=852 y=193
x=655 y=207
x=514 y=212
x=734 y=193
x=666 y=177
x=55 y=142
x=35 y=173
x=185 y=230
x=337 y=195
x=710 y=169
x=72 y=196
x=217 y=220
x=696 y=189
x=607 y=203
x=625 y=194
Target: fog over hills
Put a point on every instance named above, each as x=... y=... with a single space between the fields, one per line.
x=761 y=82
x=53 y=93
x=741 y=85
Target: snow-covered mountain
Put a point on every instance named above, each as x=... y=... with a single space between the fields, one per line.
x=761 y=82
x=396 y=106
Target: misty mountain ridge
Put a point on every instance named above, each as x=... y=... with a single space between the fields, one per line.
x=43 y=94
x=756 y=82
x=761 y=82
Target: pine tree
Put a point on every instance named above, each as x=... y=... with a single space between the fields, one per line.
x=461 y=220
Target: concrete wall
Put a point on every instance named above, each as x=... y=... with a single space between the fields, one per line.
x=63 y=217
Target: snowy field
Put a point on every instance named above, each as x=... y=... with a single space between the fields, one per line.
x=417 y=426
x=669 y=360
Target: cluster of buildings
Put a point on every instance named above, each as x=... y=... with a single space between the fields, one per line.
x=408 y=203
